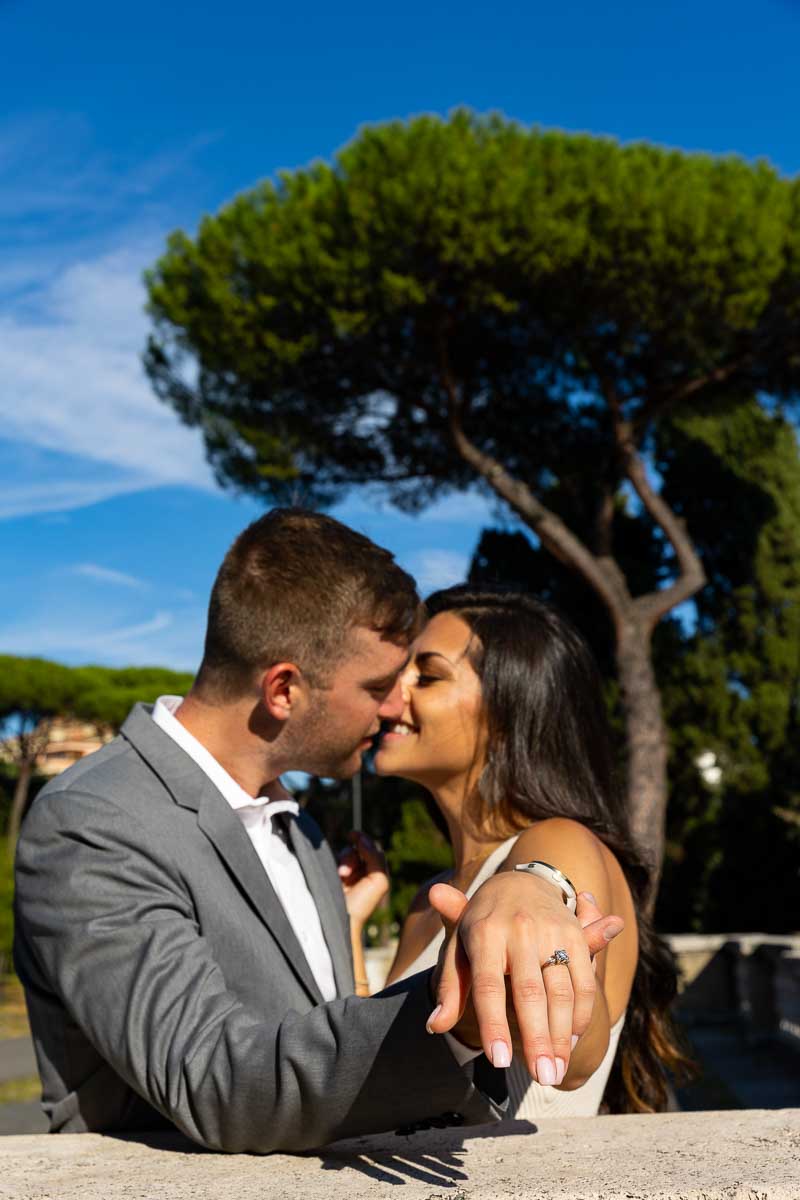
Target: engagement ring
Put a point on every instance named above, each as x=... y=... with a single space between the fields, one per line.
x=557 y=958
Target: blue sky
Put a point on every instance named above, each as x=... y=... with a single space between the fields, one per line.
x=121 y=123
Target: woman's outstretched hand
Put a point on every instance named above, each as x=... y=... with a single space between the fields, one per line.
x=364 y=876
x=490 y=988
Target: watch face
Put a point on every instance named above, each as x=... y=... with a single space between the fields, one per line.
x=550 y=867
x=552 y=875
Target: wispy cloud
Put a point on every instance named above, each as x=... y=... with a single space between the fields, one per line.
x=107 y=575
x=156 y=624
x=60 y=190
x=435 y=568
x=71 y=381
x=78 y=227
x=166 y=637
x=24 y=499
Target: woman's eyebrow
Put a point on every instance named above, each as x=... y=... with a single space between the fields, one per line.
x=426 y=654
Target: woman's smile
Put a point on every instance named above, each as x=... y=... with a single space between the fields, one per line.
x=398 y=731
x=436 y=737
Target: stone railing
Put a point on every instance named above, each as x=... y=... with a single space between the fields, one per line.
x=752 y=976
x=750 y=1155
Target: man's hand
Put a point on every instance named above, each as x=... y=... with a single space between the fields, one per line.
x=509 y=929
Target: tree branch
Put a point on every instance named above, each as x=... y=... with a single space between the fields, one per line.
x=655 y=605
x=605 y=577
x=604 y=524
x=661 y=403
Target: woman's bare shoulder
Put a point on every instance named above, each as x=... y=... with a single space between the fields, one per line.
x=561 y=838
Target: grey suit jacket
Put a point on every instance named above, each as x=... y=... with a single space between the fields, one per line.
x=165 y=984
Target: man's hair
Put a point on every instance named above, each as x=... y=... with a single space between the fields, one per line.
x=291 y=588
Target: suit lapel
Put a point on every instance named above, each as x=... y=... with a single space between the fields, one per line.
x=224 y=829
x=191 y=788
x=329 y=902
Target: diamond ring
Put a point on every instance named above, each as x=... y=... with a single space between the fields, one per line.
x=557 y=958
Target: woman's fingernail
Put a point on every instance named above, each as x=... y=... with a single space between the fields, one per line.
x=545 y=1071
x=433 y=1017
x=611 y=931
x=500 y=1054
x=574 y=1041
x=561 y=1070
x=588 y=896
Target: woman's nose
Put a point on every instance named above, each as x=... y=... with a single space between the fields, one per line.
x=406 y=682
x=392 y=707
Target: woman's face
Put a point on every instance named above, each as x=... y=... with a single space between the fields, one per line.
x=439 y=738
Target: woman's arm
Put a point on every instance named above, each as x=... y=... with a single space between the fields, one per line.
x=359 y=958
x=420 y=927
x=591 y=867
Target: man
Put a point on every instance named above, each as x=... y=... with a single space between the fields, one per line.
x=181 y=930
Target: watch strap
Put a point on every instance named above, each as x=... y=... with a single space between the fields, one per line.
x=552 y=874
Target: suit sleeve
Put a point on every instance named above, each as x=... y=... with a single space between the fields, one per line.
x=115 y=934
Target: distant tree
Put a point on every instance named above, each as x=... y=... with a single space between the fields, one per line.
x=467 y=300
x=734 y=696
x=418 y=850
x=33 y=692
x=106 y=695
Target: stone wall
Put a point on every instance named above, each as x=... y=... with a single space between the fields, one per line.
x=754 y=977
x=751 y=1155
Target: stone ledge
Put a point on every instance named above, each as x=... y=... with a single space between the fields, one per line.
x=745 y=1155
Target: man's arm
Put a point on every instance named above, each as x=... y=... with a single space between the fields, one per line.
x=115 y=935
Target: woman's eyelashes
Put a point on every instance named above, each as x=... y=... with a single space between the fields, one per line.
x=423 y=680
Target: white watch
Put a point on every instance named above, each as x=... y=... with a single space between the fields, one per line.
x=554 y=876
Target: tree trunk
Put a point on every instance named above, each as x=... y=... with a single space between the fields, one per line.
x=634 y=618
x=19 y=804
x=646 y=737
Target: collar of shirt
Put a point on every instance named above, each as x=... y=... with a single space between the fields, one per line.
x=164 y=716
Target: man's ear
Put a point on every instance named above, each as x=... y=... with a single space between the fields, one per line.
x=282 y=690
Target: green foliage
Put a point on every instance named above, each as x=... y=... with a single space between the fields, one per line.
x=735 y=691
x=418 y=850
x=729 y=674
x=107 y=694
x=33 y=688
x=322 y=309
x=403 y=820
x=542 y=286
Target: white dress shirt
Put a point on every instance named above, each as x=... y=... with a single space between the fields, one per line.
x=277 y=858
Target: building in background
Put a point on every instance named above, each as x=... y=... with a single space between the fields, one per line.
x=62 y=742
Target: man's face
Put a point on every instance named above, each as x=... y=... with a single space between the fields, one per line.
x=344 y=717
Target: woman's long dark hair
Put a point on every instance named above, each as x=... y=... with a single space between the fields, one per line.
x=550 y=755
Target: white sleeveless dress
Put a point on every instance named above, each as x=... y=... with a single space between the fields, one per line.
x=527 y=1098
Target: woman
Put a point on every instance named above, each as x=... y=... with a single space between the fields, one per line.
x=504 y=723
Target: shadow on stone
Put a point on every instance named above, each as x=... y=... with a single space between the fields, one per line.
x=434 y=1157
